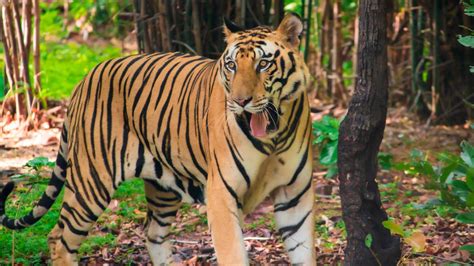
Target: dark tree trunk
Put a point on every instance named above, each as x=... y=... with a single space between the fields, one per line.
x=361 y=133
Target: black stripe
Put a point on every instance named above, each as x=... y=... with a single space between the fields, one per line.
x=231 y=191
x=239 y=165
x=300 y=167
x=140 y=160
x=289 y=230
x=293 y=202
x=72 y=228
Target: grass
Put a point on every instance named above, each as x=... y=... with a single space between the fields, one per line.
x=131 y=197
x=65 y=64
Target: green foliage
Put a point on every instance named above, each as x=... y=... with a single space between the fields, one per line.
x=100 y=14
x=293 y=6
x=40 y=162
x=51 y=21
x=467 y=218
x=35 y=167
x=385 y=160
x=454 y=178
x=27 y=252
x=368 y=241
x=468 y=40
x=394 y=227
x=326 y=136
x=92 y=243
x=64 y=65
x=469 y=8
x=131 y=207
x=326 y=132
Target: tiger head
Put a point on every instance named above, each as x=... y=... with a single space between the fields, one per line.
x=262 y=71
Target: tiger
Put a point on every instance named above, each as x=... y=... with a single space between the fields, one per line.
x=227 y=133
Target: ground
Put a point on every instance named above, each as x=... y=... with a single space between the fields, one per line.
x=118 y=235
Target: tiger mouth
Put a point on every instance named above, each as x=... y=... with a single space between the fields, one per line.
x=260 y=124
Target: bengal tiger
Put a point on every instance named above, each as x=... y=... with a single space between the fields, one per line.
x=226 y=132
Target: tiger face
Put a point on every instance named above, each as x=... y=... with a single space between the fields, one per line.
x=262 y=71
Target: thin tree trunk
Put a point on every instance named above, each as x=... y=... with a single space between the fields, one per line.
x=197 y=27
x=361 y=133
x=164 y=23
x=36 y=46
x=23 y=57
x=338 y=89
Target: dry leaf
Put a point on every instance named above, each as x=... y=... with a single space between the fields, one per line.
x=417 y=241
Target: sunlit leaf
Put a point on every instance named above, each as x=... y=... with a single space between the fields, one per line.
x=467 y=41
x=368 y=240
x=417 y=241
x=328 y=154
x=467 y=153
x=393 y=227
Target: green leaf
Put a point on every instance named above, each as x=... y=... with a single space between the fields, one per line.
x=332 y=171
x=471 y=69
x=416 y=154
x=39 y=162
x=467 y=41
x=469 y=11
x=466 y=218
x=470 y=178
x=460 y=185
x=469 y=248
x=394 y=227
x=328 y=154
x=467 y=153
x=470 y=200
x=368 y=240
x=385 y=160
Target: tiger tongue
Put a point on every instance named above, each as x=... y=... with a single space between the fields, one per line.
x=258 y=124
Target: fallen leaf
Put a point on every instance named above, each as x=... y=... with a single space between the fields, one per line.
x=417 y=241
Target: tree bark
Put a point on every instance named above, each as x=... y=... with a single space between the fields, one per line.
x=361 y=133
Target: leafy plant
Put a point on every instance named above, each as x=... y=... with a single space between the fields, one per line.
x=453 y=178
x=326 y=136
x=468 y=40
x=415 y=239
x=326 y=132
x=35 y=168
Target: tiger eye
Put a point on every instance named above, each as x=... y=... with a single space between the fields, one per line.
x=263 y=63
x=230 y=65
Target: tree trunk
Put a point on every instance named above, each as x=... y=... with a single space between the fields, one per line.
x=361 y=133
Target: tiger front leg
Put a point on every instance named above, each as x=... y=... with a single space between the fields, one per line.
x=294 y=216
x=224 y=212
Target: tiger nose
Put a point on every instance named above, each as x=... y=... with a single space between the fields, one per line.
x=243 y=101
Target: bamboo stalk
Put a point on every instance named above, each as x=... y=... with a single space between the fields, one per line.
x=36 y=46
x=10 y=55
x=436 y=29
x=26 y=23
x=23 y=57
x=308 y=30
x=196 y=26
x=164 y=29
x=146 y=36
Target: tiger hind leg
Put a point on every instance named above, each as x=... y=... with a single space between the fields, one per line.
x=162 y=208
x=80 y=210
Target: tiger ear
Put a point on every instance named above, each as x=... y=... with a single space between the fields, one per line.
x=230 y=28
x=290 y=29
